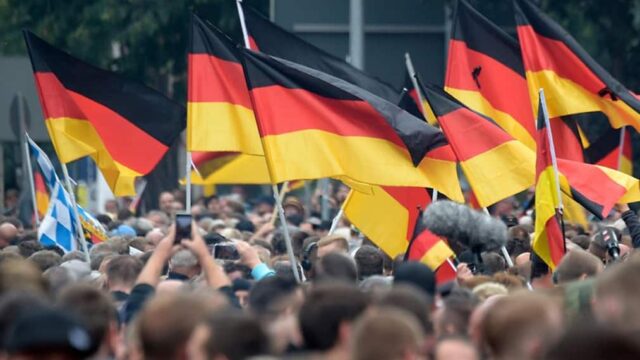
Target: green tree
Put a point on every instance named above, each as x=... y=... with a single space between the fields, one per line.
x=143 y=39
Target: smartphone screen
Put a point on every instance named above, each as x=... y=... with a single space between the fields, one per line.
x=183 y=227
x=226 y=251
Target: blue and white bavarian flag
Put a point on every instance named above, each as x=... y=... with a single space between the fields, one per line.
x=58 y=226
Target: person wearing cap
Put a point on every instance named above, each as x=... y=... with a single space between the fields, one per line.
x=48 y=334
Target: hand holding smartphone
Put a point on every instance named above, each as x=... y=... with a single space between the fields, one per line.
x=183 y=227
x=226 y=251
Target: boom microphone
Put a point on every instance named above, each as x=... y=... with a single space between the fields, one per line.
x=477 y=231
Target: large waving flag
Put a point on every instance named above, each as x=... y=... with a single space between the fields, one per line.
x=495 y=164
x=573 y=81
x=219 y=112
x=485 y=72
x=314 y=125
x=269 y=38
x=221 y=126
x=124 y=126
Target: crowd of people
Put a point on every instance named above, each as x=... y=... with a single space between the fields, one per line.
x=143 y=295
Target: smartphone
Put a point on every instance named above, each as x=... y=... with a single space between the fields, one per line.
x=183 y=227
x=225 y=251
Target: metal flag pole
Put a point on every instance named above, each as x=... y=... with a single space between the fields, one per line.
x=187 y=192
x=337 y=218
x=434 y=195
x=27 y=157
x=623 y=131
x=414 y=80
x=274 y=187
x=80 y=234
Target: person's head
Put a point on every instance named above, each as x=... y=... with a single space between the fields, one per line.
x=235 y=336
x=12 y=306
x=582 y=241
x=8 y=234
x=122 y=272
x=332 y=243
x=370 y=261
x=47 y=333
x=165 y=202
x=493 y=263
x=29 y=247
x=577 y=265
x=273 y=296
x=489 y=289
x=617 y=295
x=21 y=275
x=589 y=342
x=387 y=334
x=166 y=324
x=518 y=241
x=327 y=313
x=416 y=274
x=336 y=266
x=185 y=263
x=452 y=318
x=96 y=312
x=45 y=259
x=412 y=300
x=522 y=326
x=455 y=348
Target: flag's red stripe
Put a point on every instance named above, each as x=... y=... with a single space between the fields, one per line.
x=555 y=239
x=610 y=160
x=627 y=148
x=542 y=53
x=200 y=157
x=414 y=95
x=444 y=153
x=126 y=143
x=283 y=110
x=215 y=80
x=567 y=145
x=503 y=88
x=458 y=124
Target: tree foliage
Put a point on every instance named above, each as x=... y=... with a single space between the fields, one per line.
x=143 y=39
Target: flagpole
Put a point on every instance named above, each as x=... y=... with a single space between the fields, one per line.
x=274 y=187
x=27 y=158
x=337 y=218
x=283 y=192
x=554 y=161
x=623 y=131
x=434 y=195
x=187 y=192
x=74 y=205
x=414 y=81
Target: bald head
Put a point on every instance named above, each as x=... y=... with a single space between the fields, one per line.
x=8 y=233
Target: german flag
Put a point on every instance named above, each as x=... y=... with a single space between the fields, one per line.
x=388 y=215
x=605 y=150
x=548 y=241
x=566 y=137
x=219 y=113
x=124 y=126
x=430 y=249
x=269 y=38
x=42 y=195
x=229 y=168
x=495 y=164
x=314 y=125
x=485 y=72
x=573 y=82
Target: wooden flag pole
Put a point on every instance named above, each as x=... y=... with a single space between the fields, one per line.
x=274 y=187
